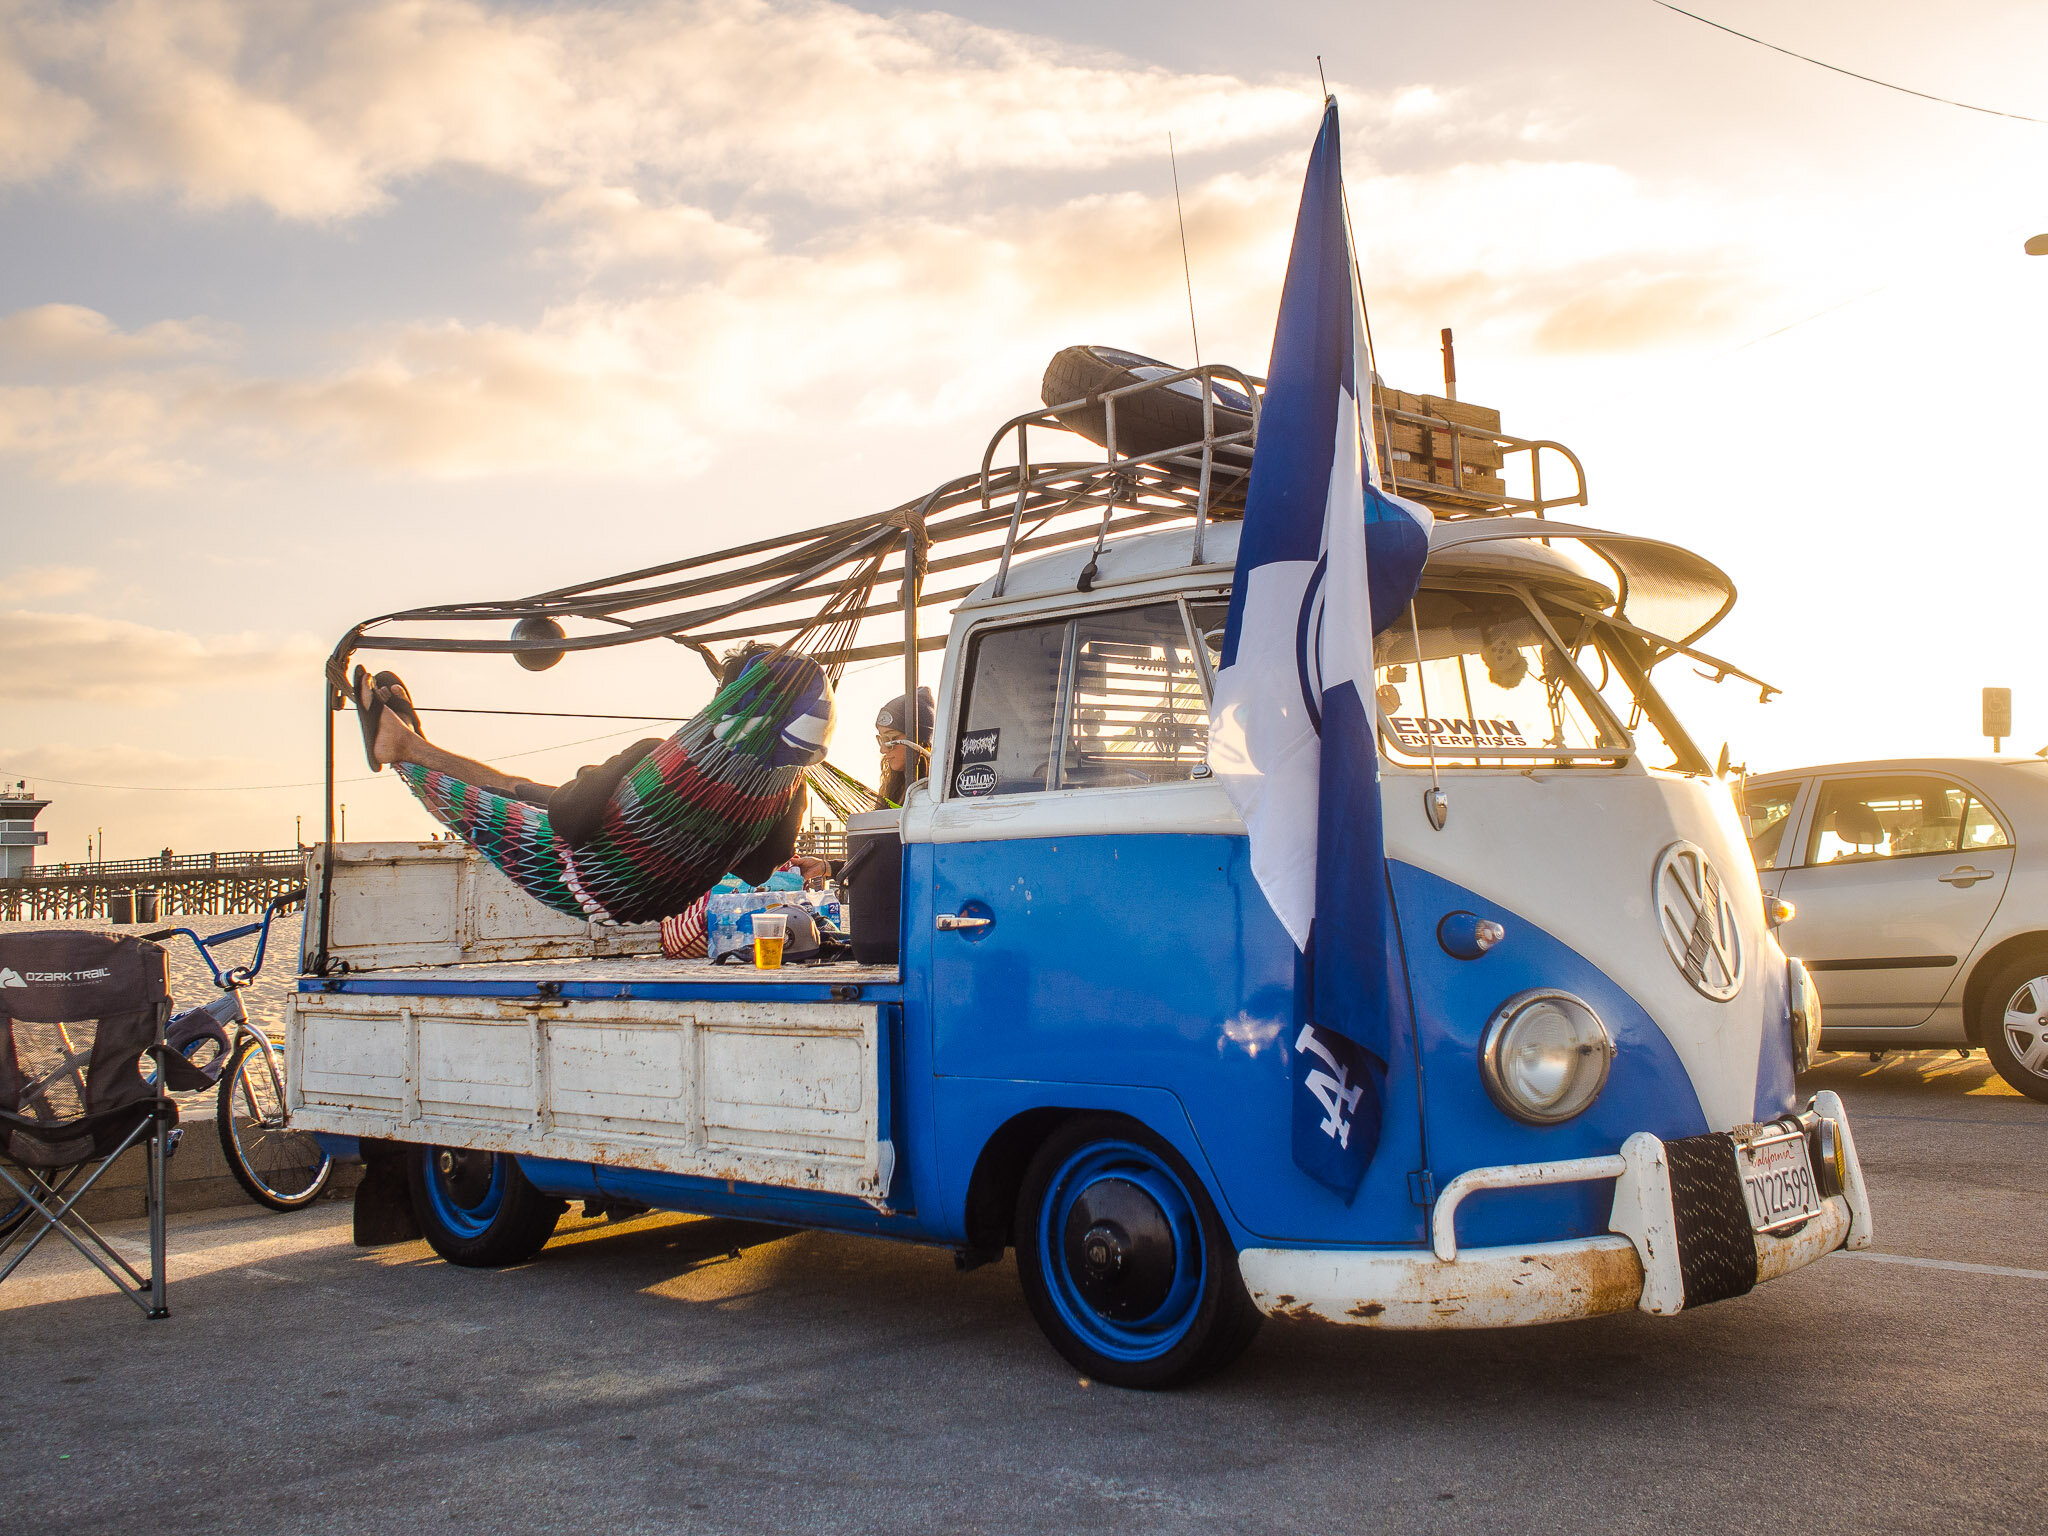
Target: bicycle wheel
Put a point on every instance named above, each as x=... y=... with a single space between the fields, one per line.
x=279 y=1167
x=13 y=1212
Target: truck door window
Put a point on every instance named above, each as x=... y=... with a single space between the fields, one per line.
x=1097 y=701
x=1138 y=714
x=1007 y=732
x=1767 y=814
x=1887 y=818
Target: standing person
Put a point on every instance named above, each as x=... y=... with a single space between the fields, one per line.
x=904 y=761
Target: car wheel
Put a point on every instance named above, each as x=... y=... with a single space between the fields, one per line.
x=477 y=1209
x=1124 y=1261
x=2012 y=1023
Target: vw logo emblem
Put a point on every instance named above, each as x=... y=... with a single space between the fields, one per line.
x=1698 y=921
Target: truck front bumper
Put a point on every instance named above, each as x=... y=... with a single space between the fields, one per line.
x=1650 y=1259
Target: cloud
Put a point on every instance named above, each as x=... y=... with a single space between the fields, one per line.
x=33 y=581
x=40 y=125
x=611 y=226
x=79 y=657
x=1634 y=310
x=62 y=336
x=894 y=320
x=317 y=111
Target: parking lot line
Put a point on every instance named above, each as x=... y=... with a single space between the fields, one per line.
x=1968 y=1269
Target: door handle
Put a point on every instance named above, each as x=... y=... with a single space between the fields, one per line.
x=948 y=922
x=1965 y=876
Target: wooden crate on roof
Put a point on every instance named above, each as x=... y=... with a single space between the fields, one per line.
x=1456 y=451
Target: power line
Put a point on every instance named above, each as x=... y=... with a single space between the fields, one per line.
x=1946 y=101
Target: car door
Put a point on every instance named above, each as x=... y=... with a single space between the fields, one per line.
x=1099 y=922
x=1897 y=877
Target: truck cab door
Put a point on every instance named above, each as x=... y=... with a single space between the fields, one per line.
x=1095 y=933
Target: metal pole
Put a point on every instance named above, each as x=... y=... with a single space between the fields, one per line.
x=910 y=710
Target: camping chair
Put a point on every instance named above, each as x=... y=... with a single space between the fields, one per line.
x=78 y=1012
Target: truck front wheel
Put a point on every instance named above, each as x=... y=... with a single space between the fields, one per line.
x=477 y=1209
x=1124 y=1262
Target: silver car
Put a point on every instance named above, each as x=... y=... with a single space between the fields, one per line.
x=1919 y=895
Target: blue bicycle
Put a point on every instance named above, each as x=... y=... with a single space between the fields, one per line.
x=279 y=1167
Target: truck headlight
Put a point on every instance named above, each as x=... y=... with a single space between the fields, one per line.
x=1545 y=1056
x=1804 y=1002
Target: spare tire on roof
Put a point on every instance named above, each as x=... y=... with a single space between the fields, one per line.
x=1151 y=422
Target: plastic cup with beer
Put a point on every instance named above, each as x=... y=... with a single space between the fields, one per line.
x=770 y=928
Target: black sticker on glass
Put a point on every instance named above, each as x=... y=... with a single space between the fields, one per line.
x=975 y=779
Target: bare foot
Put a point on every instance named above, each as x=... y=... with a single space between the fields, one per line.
x=395 y=739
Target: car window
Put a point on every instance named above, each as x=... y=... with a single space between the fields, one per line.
x=1101 y=700
x=1767 y=817
x=1981 y=828
x=1886 y=818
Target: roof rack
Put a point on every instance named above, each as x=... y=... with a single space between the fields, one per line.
x=817 y=587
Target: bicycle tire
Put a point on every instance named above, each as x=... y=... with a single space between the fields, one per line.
x=14 y=1215
x=282 y=1169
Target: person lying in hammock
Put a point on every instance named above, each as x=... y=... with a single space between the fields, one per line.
x=643 y=835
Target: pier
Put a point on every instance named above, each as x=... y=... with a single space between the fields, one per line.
x=190 y=884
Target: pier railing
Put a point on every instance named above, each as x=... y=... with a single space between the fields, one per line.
x=188 y=883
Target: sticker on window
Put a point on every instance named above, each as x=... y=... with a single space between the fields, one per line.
x=1427 y=730
x=975 y=779
x=980 y=746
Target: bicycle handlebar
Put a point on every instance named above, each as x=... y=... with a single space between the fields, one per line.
x=235 y=976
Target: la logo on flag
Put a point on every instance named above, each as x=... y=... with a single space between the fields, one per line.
x=1325 y=560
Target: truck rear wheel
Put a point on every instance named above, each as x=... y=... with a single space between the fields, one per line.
x=1125 y=1264
x=2013 y=1023
x=477 y=1209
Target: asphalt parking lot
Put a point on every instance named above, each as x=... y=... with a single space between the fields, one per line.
x=638 y=1378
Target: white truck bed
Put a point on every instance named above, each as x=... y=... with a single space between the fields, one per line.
x=723 y=1072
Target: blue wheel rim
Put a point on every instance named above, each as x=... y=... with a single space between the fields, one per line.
x=465 y=1197
x=1108 y=1178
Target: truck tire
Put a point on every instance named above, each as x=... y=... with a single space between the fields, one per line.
x=477 y=1209
x=1125 y=1264
x=2012 y=1021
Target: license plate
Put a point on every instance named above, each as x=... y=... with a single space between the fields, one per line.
x=1777 y=1177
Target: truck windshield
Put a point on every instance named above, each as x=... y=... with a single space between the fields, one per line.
x=1493 y=688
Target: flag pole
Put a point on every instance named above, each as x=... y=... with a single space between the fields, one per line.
x=1434 y=805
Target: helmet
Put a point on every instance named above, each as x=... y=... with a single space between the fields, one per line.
x=800 y=933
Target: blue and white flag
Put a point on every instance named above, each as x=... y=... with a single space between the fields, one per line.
x=1325 y=560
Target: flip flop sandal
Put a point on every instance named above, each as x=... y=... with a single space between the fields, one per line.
x=392 y=690
x=386 y=692
x=369 y=716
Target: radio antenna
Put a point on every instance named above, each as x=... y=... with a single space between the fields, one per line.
x=1320 y=80
x=1186 y=269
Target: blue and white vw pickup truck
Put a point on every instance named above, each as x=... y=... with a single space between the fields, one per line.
x=1081 y=1051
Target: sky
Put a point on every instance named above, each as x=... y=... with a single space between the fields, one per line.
x=310 y=311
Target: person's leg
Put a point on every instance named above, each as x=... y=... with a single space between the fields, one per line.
x=482 y=806
x=399 y=743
